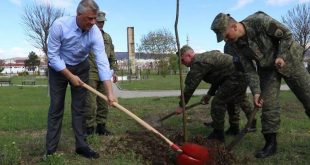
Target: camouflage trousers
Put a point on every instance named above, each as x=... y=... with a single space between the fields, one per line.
x=231 y=92
x=96 y=109
x=270 y=80
x=299 y=84
x=233 y=110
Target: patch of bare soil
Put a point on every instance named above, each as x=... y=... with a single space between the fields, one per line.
x=155 y=150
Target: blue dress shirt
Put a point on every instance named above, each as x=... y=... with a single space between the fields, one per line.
x=67 y=44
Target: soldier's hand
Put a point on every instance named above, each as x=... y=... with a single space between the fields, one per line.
x=279 y=63
x=205 y=99
x=178 y=110
x=115 y=78
x=258 y=101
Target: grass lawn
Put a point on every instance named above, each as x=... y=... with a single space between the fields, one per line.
x=23 y=128
x=157 y=82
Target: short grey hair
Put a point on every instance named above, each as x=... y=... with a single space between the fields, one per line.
x=184 y=49
x=87 y=5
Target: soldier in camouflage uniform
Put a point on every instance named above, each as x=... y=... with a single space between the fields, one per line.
x=268 y=53
x=234 y=109
x=245 y=104
x=228 y=85
x=96 y=107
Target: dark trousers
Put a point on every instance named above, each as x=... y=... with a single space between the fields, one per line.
x=58 y=86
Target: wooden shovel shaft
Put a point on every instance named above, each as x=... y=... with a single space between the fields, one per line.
x=140 y=121
x=174 y=113
x=244 y=131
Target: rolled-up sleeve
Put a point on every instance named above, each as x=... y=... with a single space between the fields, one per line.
x=54 y=43
x=101 y=57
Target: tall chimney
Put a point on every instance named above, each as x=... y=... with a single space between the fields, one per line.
x=131 y=49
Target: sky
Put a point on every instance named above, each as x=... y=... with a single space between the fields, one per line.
x=195 y=18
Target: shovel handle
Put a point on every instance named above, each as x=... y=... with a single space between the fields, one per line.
x=244 y=131
x=136 y=118
x=174 y=113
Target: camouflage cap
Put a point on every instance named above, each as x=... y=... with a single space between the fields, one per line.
x=219 y=25
x=101 y=16
x=184 y=49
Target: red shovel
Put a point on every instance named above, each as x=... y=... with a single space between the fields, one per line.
x=189 y=154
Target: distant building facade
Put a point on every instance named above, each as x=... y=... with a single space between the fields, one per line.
x=143 y=61
x=14 y=66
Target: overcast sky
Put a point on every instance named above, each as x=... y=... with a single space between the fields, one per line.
x=144 y=15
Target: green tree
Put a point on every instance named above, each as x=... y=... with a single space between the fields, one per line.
x=163 y=67
x=173 y=63
x=32 y=62
x=1 y=65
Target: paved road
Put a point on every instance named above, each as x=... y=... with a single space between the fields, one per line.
x=160 y=93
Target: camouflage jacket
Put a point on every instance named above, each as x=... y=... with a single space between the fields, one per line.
x=109 y=49
x=212 y=67
x=265 y=40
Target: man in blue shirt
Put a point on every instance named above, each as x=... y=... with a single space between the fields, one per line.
x=70 y=40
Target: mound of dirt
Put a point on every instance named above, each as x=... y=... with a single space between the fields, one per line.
x=153 y=149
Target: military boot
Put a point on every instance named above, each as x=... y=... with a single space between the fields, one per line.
x=102 y=130
x=233 y=130
x=217 y=135
x=253 y=126
x=270 y=147
x=90 y=130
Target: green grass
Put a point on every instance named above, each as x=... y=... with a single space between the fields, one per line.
x=24 y=115
x=157 y=82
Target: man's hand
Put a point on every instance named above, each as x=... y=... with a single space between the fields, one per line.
x=258 y=101
x=75 y=80
x=111 y=99
x=279 y=63
x=205 y=99
x=178 y=110
x=115 y=78
x=109 y=92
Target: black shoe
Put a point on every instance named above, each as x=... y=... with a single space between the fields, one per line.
x=87 y=152
x=217 y=135
x=232 y=131
x=253 y=126
x=101 y=130
x=48 y=153
x=270 y=147
x=90 y=131
x=208 y=124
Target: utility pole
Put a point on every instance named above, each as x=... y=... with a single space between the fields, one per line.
x=187 y=40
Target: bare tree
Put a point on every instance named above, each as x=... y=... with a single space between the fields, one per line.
x=298 y=21
x=38 y=18
x=158 y=42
